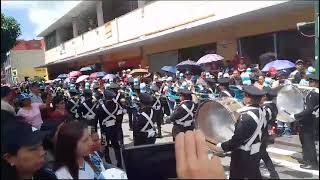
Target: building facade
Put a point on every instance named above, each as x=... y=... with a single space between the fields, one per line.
x=23 y=60
x=122 y=34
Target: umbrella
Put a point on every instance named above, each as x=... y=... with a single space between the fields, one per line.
x=169 y=69
x=87 y=68
x=74 y=74
x=279 y=65
x=190 y=66
x=139 y=72
x=82 y=78
x=57 y=79
x=63 y=76
x=100 y=74
x=209 y=58
x=109 y=76
x=69 y=79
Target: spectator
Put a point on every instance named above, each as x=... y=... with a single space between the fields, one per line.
x=21 y=150
x=281 y=80
x=296 y=75
x=72 y=147
x=228 y=68
x=31 y=111
x=58 y=110
x=242 y=66
x=304 y=81
x=49 y=142
x=235 y=78
x=246 y=77
x=7 y=97
x=260 y=83
x=192 y=160
x=202 y=80
x=35 y=93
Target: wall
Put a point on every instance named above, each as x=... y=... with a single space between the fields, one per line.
x=25 y=61
x=229 y=33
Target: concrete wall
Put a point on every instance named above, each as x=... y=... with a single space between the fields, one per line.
x=227 y=35
x=25 y=61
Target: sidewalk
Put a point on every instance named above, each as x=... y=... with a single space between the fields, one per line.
x=289 y=141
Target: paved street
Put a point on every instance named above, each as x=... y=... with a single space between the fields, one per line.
x=281 y=153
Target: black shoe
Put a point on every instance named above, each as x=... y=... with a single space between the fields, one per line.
x=274 y=176
x=310 y=167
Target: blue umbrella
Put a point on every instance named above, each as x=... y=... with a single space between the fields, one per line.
x=279 y=65
x=169 y=69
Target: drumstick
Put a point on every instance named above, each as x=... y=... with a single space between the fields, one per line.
x=285 y=111
x=211 y=142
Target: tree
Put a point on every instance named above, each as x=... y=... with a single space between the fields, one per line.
x=10 y=31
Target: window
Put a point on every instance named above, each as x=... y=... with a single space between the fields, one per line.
x=254 y=46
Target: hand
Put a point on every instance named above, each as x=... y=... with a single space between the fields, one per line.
x=192 y=159
x=292 y=117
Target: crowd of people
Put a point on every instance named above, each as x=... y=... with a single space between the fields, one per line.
x=63 y=129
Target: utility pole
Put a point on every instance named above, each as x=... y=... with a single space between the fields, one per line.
x=316 y=39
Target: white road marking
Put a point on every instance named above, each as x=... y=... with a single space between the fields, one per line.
x=294 y=166
x=280 y=151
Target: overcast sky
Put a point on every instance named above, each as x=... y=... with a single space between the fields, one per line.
x=35 y=16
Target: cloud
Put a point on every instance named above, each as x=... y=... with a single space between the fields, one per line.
x=41 y=13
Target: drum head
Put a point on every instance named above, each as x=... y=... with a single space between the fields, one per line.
x=290 y=99
x=215 y=120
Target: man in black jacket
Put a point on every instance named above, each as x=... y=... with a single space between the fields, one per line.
x=307 y=120
x=245 y=143
x=183 y=116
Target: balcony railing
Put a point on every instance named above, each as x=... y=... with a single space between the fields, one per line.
x=149 y=20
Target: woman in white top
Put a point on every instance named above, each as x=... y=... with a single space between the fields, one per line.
x=72 y=147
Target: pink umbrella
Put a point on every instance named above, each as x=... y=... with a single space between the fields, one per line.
x=82 y=78
x=74 y=74
x=70 y=79
x=209 y=58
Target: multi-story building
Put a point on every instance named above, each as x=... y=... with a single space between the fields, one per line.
x=23 y=61
x=123 y=34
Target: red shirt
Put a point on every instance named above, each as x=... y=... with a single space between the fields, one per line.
x=56 y=114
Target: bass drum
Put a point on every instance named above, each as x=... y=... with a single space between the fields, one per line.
x=290 y=100
x=216 y=118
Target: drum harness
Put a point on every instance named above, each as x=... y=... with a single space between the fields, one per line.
x=157 y=104
x=90 y=114
x=182 y=121
x=151 y=132
x=227 y=93
x=106 y=120
x=249 y=146
x=121 y=110
x=75 y=105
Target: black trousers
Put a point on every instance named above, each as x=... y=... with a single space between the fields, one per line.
x=243 y=165
x=158 y=114
x=307 y=138
x=113 y=139
x=267 y=160
x=132 y=113
x=139 y=140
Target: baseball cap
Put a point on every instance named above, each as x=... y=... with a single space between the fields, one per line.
x=16 y=134
x=23 y=96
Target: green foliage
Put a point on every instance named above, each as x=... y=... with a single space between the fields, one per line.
x=10 y=31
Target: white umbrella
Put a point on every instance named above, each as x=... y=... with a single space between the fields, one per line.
x=209 y=58
x=109 y=76
x=82 y=78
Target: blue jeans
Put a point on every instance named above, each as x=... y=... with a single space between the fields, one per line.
x=283 y=128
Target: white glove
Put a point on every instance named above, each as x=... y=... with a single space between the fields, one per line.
x=292 y=117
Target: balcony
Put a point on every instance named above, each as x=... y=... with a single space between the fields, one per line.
x=154 y=20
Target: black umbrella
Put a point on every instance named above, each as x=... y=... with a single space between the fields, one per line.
x=189 y=65
x=63 y=76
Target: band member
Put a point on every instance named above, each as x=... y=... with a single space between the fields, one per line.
x=157 y=107
x=73 y=102
x=121 y=111
x=307 y=120
x=143 y=127
x=268 y=126
x=224 y=88
x=107 y=117
x=86 y=111
x=183 y=115
x=245 y=143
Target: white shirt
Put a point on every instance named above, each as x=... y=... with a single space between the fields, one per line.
x=84 y=173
